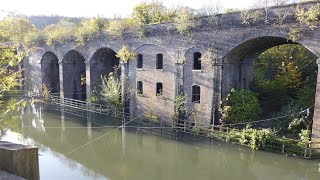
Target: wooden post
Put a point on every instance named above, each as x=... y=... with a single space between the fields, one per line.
x=20 y=160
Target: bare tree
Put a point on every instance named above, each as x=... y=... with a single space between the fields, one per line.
x=212 y=8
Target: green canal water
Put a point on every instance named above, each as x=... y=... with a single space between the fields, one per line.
x=131 y=154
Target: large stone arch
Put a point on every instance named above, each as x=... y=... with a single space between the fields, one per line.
x=50 y=72
x=238 y=68
x=74 y=73
x=103 y=62
x=239 y=60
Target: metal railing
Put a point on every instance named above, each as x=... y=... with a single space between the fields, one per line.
x=168 y=125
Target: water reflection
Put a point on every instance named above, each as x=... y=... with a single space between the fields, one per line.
x=129 y=154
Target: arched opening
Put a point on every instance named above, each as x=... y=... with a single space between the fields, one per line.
x=282 y=74
x=103 y=62
x=50 y=72
x=74 y=75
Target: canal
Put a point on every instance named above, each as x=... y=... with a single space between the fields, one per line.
x=69 y=149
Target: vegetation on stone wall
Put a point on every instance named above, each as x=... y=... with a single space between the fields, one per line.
x=250 y=16
x=184 y=21
x=111 y=91
x=60 y=33
x=143 y=16
x=180 y=106
x=125 y=54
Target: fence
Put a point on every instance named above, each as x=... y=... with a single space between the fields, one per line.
x=170 y=127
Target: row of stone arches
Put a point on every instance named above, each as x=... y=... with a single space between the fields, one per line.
x=73 y=76
x=232 y=68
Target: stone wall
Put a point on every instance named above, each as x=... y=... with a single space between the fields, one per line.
x=236 y=45
x=148 y=102
x=199 y=112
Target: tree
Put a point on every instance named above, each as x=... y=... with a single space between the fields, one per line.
x=9 y=75
x=210 y=9
x=111 y=91
x=289 y=76
x=154 y=12
x=266 y=4
x=19 y=30
x=184 y=20
x=125 y=54
x=240 y=106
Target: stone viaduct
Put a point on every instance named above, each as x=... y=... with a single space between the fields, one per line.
x=168 y=62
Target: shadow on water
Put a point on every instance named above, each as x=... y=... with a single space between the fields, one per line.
x=131 y=153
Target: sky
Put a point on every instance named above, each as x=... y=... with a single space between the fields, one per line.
x=103 y=8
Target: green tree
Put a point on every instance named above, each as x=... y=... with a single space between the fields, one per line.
x=154 y=12
x=62 y=32
x=283 y=74
x=19 y=30
x=89 y=29
x=290 y=77
x=184 y=20
x=125 y=54
x=240 y=106
x=111 y=91
x=9 y=75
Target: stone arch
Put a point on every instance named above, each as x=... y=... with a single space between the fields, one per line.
x=103 y=62
x=50 y=72
x=238 y=62
x=238 y=68
x=74 y=75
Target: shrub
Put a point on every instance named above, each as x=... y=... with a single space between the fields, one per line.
x=272 y=95
x=180 y=107
x=184 y=21
x=155 y=12
x=62 y=32
x=305 y=136
x=125 y=54
x=111 y=91
x=308 y=17
x=19 y=30
x=115 y=28
x=240 y=106
x=250 y=16
x=294 y=34
x=89 y=30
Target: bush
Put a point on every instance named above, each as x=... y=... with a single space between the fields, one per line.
x=272 y=95
x=306 y=97
x=155 y=12
x=240 y=106
x=184 y=21
x=115 y=28
x=111 y=91
x=19 y=30
x=89 y=30
x=125 y=54
x=62 y=32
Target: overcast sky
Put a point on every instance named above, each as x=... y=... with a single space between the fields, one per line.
x=104 y=8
